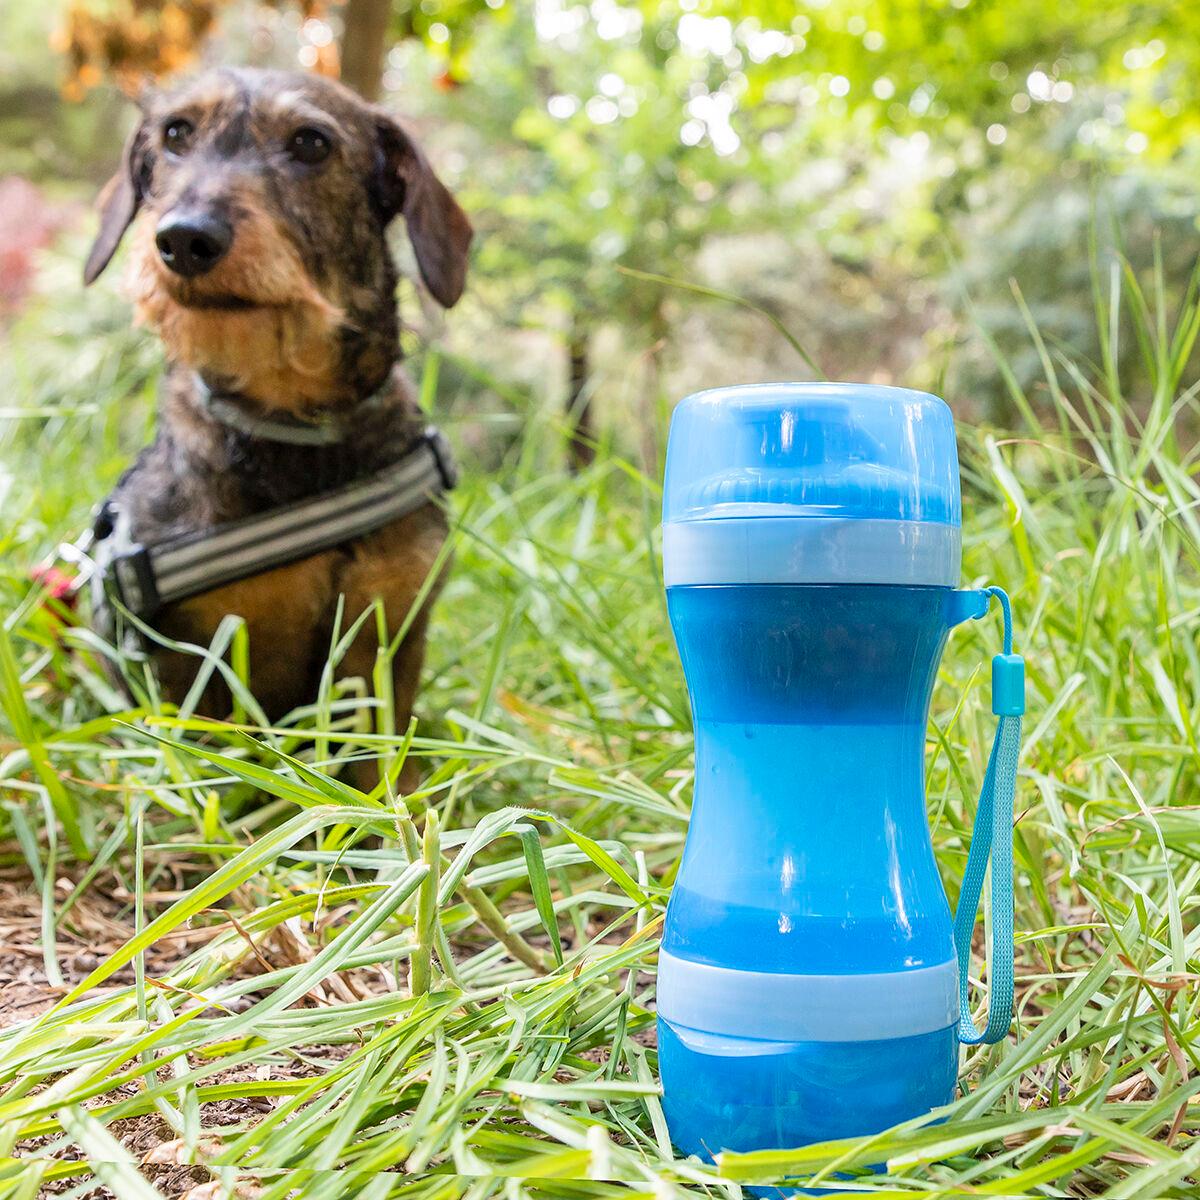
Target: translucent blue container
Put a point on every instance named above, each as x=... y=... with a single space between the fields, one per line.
x=807 y=983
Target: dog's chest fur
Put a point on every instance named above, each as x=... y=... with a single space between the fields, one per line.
x=199 y=473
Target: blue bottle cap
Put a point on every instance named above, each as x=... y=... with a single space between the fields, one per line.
x=812 y=483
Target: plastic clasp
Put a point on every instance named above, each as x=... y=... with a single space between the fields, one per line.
x=435 y=439
x=132 y=577
x=1008 y=685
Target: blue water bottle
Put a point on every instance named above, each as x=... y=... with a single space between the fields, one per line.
x=811 y=983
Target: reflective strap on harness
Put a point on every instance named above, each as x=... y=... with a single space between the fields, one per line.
x=143 y=578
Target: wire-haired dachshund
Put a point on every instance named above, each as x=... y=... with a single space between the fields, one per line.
x=258 y=204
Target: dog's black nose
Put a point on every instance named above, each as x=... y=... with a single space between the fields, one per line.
x=191 y=243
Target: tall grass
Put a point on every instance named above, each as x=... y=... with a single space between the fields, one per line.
x=450 y=993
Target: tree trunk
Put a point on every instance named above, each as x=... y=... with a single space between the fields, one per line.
x=364 y=45
x=581 y=451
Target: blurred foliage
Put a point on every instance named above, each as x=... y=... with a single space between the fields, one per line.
x=956 y=68
x=130 y=41
x=854 y=166
x=979 y=143
x=577 y=165
x=41 y=136
x=447 y=28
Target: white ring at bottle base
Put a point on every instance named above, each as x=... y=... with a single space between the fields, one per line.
x=734 y=550
x=806 y=1008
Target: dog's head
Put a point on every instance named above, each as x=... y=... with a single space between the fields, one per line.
x=259 y=202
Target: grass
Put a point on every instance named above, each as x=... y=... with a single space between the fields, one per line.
x=326 y=992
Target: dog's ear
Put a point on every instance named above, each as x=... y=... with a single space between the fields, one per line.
x=440 y=233
x=118 y=203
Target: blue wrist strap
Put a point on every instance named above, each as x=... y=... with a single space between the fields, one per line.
x=993 y=839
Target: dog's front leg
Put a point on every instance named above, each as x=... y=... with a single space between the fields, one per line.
x=392 y=567
x=285 y=613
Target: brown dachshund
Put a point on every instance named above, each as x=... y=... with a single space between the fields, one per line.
x=258 y=204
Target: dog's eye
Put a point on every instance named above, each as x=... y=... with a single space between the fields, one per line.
x=177 y=135
x=309 y=146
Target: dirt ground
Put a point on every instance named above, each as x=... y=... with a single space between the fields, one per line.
x=94 y=927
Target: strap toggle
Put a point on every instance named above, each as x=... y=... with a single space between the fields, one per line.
x=1008 y=685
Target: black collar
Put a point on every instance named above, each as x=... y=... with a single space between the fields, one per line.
x=324 y=429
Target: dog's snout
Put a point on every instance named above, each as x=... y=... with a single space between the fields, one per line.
x=190 y=243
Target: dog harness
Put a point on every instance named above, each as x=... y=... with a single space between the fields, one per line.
x=124 y=574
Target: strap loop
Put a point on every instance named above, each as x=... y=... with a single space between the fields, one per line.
x=992 y=840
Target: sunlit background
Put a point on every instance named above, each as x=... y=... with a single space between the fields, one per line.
x=903 y=184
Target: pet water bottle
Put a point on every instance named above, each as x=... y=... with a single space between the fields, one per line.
x=811 y=983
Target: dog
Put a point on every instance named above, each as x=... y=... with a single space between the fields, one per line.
x=257 y=205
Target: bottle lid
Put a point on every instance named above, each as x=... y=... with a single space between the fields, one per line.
x=812 y=483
